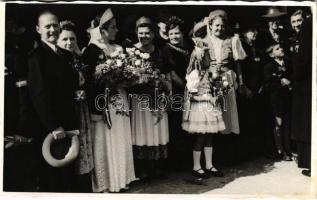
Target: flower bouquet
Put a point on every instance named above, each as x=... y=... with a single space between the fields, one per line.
x=140 y=63
x=115 y=70
x=151 y=81
x=150 y=78
x=219 y=84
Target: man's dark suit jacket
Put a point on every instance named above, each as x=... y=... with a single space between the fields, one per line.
x=279 y=95
x=52 y=84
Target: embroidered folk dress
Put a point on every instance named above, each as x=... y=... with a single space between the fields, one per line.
x=225 y=52
x=84 y=162
x=203 y=115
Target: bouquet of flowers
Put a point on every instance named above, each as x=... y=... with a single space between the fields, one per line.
x=150 y=81
x=140 y=63
x=218 y=82
x=200 y=63
x=116 y=70
x=145 y=68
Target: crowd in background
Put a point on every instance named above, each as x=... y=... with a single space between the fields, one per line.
x=53 y=89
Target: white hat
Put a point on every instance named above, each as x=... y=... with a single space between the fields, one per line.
x=106 y=16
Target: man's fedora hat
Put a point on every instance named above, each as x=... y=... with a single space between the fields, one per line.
x=273 y=12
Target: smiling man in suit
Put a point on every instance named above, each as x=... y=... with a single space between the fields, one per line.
x=52 y=85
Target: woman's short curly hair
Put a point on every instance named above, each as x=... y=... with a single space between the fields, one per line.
x=173 y=22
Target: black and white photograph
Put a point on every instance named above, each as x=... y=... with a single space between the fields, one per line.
x=158 y=98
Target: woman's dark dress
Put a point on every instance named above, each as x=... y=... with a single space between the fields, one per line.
x=176 y=59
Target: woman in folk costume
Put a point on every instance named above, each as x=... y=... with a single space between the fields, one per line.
x=225 y=52
x=84 y=164
x=150 y=133
x=112 y=145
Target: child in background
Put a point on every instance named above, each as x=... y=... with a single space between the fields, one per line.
x=278 y=84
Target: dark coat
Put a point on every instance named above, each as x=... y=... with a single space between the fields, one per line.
x=252 y=67
x=279 y=95
x=302 y=85
x=266 y=40
x=52 y=84
x=93 y=56
x=11 y=95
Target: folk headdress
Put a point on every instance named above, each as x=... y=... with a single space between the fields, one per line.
x=106 y=16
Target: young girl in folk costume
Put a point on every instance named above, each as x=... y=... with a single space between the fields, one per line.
x=112 y=145
x=202 y=116
x=216 y=53
x=225 y=53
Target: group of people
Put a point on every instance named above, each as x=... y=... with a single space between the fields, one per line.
x=59 y=93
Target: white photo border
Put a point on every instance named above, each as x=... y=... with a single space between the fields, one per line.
x=79 y=196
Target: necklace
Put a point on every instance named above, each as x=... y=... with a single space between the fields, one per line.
x=178 y=49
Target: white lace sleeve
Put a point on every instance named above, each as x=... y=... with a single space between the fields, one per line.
x=237 y=49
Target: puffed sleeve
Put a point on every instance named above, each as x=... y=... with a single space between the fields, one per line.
x=237 y=49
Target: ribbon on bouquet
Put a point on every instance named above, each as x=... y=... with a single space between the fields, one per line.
x=106 y=114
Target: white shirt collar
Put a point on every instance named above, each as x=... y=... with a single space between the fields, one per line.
x=52 y=46
x=280 y=62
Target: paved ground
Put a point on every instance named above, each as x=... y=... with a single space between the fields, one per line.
x=258 y=177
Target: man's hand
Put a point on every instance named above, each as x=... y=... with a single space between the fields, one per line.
x=16 y=140
x=59 y=133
